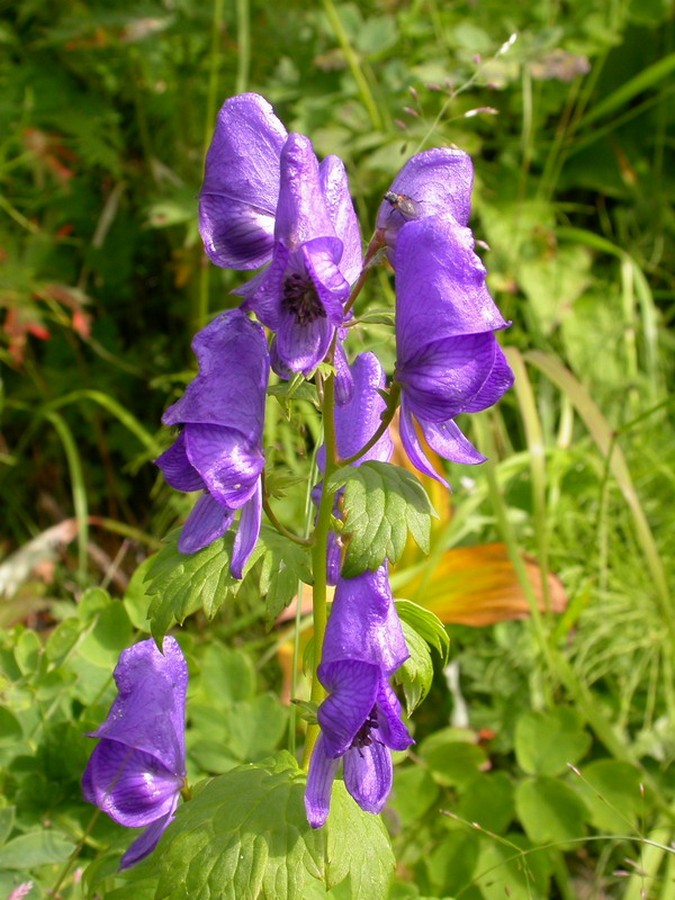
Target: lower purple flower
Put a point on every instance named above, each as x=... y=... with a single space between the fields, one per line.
x=137 y=771
x=361 y=718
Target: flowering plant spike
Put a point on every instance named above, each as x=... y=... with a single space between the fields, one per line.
x=268 y=206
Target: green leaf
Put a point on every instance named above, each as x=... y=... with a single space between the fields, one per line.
x=284 y=565
x=488 y=800
x=550 y=811
x=613 y=792
x=39 y=848
x=183 y=583
x=426 y=624
x=503 y=872
x=382 y=503
x=452 y=862
x=413 y=793
x=417 y=672
x=451 y=761
x=6 y=822
x=546 y=743
x=245 y=834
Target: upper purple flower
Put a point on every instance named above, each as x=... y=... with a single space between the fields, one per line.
x=435 y=182
x=301 y=295
x=361 y=718
x=448 y=359
x=137 y=770
x=242 y=181
x=219 y=449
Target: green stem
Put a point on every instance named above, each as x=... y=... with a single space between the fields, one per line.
x=353 y=63
x=319 y=555
x=271 y=515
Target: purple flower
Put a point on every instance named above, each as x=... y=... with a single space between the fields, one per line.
x=219 y=449
x=301 y=295
x=238 y=200
x=435 y=182
x=137 y=770
x=448 y=359
x=361 y=718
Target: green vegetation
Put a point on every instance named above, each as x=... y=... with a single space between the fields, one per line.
x=543 y=764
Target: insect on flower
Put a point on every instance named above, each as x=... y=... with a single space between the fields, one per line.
x=405 y=205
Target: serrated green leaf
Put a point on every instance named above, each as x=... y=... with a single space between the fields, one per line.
x=245 y=834
x=426 y=624
x=183 y=583
x=284 y=565
x=382 y=503
x=417 y=672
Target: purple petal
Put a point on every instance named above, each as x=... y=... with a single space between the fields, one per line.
x=440 y=286
x=177 y=468
x=496 y=384
x=208 y=521
x=353 y=687
x=438 y=182
x=228 y=464
x=357 y=420
x=265 y=292
x=320 y=263
x=302 y=347
x=322 y=772
x=241 y=183
x=149 y=711
x=302 y=212
x=445 y=377
x=364 y=624
x=413 y=447
x=344 y=383
x=131 y=786
x=447 y=439
x=335 y=187
x=248 y=531
x=391 y=729
x=146 y=843
x=333 y=559
x=369 y=775
x=230 y=387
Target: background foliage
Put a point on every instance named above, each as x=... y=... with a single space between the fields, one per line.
x=543 y=762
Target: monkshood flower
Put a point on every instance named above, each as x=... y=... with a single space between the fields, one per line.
x=265 y=199
x=435 y=182
x=137 y=770
x=219 y=449
x=240 y=193
x=301 y=296
x=356 y=421
x=448 y=359
x=361 y=718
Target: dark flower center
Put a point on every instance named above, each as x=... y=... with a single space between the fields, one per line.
x=363 y=737
x=301 y=299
